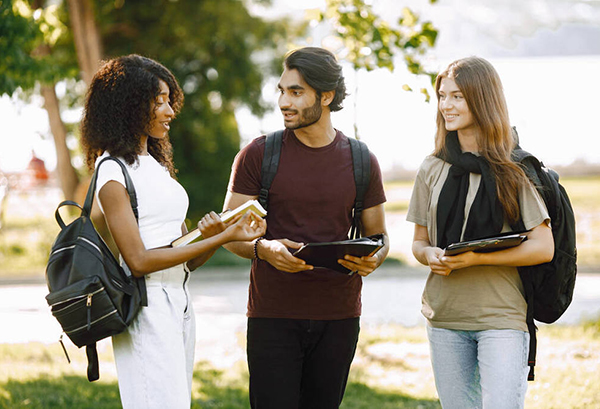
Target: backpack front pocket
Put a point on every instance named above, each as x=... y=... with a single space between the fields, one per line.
x=85 y=311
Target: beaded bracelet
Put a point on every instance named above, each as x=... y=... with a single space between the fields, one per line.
x=256 y=247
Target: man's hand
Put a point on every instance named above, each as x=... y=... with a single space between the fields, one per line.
x=362 y=265
x=277 y=253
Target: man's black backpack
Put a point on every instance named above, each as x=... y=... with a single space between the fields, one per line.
x=361 y=162
x=549 y=286
x=91 y=295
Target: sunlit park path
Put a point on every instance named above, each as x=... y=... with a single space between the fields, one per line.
x=392 y=295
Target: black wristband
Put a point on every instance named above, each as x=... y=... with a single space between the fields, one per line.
x=256 y=247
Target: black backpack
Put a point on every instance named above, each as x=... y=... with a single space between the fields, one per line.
x=91 y=295
x=361 y=162
x=549 y=286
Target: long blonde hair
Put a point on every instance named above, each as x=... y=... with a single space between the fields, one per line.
x=482 y=89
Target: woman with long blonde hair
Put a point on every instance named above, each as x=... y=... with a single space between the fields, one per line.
x=469 y=188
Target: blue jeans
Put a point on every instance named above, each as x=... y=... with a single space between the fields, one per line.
x=480 y=369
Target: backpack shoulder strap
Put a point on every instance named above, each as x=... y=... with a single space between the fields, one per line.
x=87 y=205
x=270 y=163
x=361 y=163
x=530 y=164
x=87 y=209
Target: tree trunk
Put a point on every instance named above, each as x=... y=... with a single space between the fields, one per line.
x=88 y=48
x=66 y=173
x=86 y=37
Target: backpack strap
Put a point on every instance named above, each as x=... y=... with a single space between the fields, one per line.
x=89 y=199
x=530 y=165
x=87 y=207
x=361 y=163
x=93 y=368
x=270 y=163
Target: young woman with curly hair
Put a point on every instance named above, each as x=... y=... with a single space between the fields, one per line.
x=469 y=189
x=128 y=112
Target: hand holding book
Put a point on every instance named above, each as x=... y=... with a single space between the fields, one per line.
x=226 y=216
x=327 y=254
x=500 y=242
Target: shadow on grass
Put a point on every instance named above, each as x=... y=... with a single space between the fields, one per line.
x=59 y=393
x=211 y=391
x=361 y=396
x=214 y=392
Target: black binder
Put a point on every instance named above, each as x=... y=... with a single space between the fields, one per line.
x=500 y=242
x=327 y=254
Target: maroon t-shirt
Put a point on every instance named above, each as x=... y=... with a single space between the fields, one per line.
x=310 y=201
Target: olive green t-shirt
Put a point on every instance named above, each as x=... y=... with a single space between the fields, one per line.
x=478 y=297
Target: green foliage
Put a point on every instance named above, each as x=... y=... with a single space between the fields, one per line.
x=213 y=49
x=372 y=42
x=219 y=52
x=19 y=36
x=27 y=42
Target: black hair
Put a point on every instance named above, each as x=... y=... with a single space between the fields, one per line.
x=118 y=110
x=321 y=71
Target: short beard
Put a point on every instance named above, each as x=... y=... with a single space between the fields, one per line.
x=309 y=116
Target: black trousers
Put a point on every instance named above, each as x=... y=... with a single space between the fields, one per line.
x=299 y=364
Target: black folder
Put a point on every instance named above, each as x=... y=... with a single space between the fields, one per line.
x=500 y=242
x=327 y=254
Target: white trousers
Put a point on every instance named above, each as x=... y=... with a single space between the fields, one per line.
x=155 y=355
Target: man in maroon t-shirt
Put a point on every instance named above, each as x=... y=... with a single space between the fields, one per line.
x=303 y=321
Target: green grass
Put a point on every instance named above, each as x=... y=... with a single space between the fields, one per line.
x=25 y=244
x=584 y=193
x=25 y=241
x=391 y=370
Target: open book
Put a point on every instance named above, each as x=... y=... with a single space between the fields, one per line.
x=328 y=254
x=502 y=241
x=227 y=215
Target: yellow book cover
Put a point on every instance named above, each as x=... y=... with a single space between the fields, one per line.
x=250 y=205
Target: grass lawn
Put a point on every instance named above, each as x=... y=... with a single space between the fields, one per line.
x=29 y=228
x=584 y=193
x=391 y=370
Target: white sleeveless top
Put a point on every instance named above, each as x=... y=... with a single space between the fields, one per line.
x=162 y=201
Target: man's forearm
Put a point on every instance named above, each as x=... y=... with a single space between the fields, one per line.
x=243 y=249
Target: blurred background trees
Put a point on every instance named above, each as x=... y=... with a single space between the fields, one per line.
x=220 y=53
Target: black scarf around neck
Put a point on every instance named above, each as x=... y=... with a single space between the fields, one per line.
x=485 y=216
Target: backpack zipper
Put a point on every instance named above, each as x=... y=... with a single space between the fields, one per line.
x=90 y=243
x=61 y=249
x=73 y=246
x=63 y=348
x=89 y=310
x=79 y=297
x=92 y=323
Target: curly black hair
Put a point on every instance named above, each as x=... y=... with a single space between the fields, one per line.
x=119 y=109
